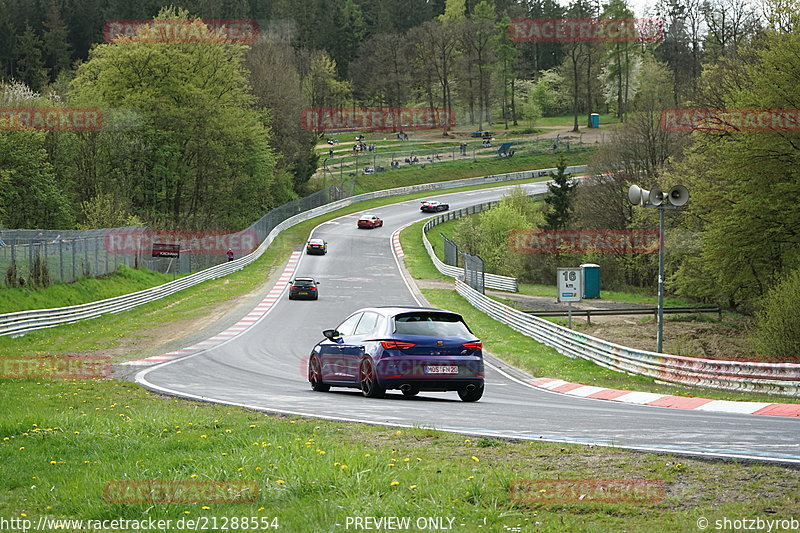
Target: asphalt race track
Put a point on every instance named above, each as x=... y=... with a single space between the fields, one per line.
x=264 y=368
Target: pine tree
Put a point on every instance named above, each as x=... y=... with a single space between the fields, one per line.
x=30 y=65
x=57 y=50
x=561 y=194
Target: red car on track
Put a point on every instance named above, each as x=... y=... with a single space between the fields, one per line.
x=369 y=221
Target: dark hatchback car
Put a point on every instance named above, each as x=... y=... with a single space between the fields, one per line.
x=412 y=349
x=316 y=247
x=304 y=289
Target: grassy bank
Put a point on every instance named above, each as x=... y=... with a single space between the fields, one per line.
x=125 y=280
x=446 y=171
x=63 y=441
x=536 y=358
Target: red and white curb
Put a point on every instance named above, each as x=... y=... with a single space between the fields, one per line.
x=666 y=400
x=243 y=325
x=398 y=250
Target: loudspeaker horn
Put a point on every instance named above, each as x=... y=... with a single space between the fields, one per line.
x=678 y=195
x=636 y=194
x=656 y=197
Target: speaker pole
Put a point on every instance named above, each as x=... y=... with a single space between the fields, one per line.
x=660 y=335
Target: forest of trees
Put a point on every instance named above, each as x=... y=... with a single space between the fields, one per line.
x=167 y=171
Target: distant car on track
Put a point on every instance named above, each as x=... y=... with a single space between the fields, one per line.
x=432 y=206
x=316 y=246
x=304 y=289
x=412 y=349
x=369 y=221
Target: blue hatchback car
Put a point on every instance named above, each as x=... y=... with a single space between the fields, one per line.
x=412 y=349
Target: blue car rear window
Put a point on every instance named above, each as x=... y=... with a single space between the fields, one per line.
x=431 y=324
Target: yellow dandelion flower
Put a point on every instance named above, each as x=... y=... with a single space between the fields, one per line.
x=280 y=482
x=193 y=476
x=471 y=477
x=337 y=463
x=53 y=462
x=5 y=438
x=406 y=460
x=21 y=448
x=224 y=453
x=252 y=425
x=205 y=508
x=186 y=512
x=394 y=483
x=240 y=469
x=419 y=458
x=203 y=436
x=467 y=440
x=77 y=432
x=476 y=459
x=542 y=490
x=317 y=427
x=344 y=467
x=228 y=431
x=258 y=469
x=398 y=432
x=392 y=464
x=366 y=455
x=260 y=508
x=412 y=487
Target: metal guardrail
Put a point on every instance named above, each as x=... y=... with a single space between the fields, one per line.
x=24 y=321
x=491 y=281
x=769 y=378
x=589 y=313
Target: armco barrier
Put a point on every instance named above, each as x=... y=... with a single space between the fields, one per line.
x=25 y=321
x=491 y=281
x=769 y=378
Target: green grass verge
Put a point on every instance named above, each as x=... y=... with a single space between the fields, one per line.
x=119 y=333
x=63 y=441
x=446 y=171
x=534 y=357
x=125 y=280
